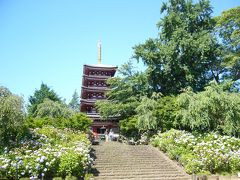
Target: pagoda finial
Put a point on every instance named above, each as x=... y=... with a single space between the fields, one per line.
x=99 y=52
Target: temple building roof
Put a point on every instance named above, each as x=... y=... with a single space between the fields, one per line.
x=101 y=65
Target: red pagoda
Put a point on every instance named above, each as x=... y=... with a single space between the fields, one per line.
x=93 y=88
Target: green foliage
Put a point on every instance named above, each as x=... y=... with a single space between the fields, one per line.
x=147 y=120
x=129 y=84
x=128 y=127
x=75 y=102
x=77 y=121
x=166 y=111
x=31 y=122
x=152 y=114
x=186 y=52
x=200 y=153
x=212 y=109
x=229 y=23
x=110 y=108
x=11 y=117
x=52 y=109
x=228 y=27
x=4 y=92
x=38 y=97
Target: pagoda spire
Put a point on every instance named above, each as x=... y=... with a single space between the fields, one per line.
x=99 y=52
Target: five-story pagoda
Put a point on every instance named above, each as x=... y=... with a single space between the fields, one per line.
x=93 y=88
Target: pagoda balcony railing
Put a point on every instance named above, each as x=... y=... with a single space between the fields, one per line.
x=96 y=114
x=93 y=99
x=95 y=87
x=93 y=76
x=96 y=98
x=92 y=113
x=89 y=100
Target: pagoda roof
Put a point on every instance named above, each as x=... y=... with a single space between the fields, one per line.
x=101 y=66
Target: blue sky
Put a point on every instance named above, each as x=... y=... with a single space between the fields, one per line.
x=50 y=40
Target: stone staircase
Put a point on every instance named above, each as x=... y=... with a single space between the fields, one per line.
x=115 y=161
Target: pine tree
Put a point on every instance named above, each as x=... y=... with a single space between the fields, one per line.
x=74 y=104
x=38 y=97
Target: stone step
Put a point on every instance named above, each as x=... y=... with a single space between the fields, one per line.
x=160 y=177
x=137 y=173
x=140 y=173
x=128 y=156
x=160 y=168
x=141 y=154
x=138 y=178
x=131 y=162
x=117 y=168
x=122 y=159
x=135 y=168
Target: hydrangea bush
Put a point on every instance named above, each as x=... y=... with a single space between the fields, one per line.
x=207 y=153
x=50 y=152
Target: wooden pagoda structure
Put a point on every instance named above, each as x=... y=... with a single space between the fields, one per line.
x=94 y=88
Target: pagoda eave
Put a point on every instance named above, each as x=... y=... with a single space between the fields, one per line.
x=93 y=77
x=100 y=66
x=97 y=116
x=95 y=88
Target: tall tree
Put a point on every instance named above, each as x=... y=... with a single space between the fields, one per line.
x=186 y=52
x=11 y=116
x=228 y=27
x=38 y=97
x=74 y=104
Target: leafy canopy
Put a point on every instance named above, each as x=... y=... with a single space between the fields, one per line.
x=185 y=52
x=39 y=96
x=228 y=27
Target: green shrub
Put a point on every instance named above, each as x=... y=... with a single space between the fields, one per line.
x=71 y=164
x=36 y=122
x=128 y=127
x=78 y=121
x=209 y=152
